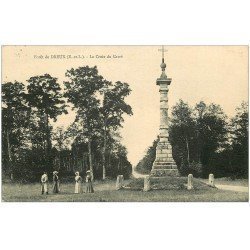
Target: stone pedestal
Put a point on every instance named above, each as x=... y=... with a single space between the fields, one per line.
x=164 y=164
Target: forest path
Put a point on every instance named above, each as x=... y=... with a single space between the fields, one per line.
x=233 y=188
x=137 y=175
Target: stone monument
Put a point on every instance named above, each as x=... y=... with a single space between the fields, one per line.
x=211 y=180
x=164 y=164
x=146 y=183
x=190 y=182
x=119 y=182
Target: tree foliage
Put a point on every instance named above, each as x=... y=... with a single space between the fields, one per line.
x=93 y=118
x=145 y=164
x=30 y=142
x=81 y=91
x=112 y=110
x=239 y=148
x=15 y=114
x=204 y=141
x=46 y=100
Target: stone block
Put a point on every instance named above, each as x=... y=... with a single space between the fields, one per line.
x=146 y=183
x=161 y=172
x=190 y=182
x=211 y=180
x=119 y=182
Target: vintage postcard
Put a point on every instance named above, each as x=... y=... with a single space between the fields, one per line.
x=124 y=123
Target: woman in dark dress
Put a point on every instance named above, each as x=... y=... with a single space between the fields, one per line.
x=89 y=187
x=55 y=182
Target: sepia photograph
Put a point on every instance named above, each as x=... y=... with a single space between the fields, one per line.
x=124 y=123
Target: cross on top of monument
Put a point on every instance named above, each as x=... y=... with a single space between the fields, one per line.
x=162 y=50
x=163 y=64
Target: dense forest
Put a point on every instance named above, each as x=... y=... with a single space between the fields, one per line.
x=30 y=142
x=205 y=140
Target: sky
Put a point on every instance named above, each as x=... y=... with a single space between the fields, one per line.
x=216 y=74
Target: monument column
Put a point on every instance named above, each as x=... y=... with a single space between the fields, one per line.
x=164 y=163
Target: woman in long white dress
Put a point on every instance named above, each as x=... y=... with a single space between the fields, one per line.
x=44 y=183
x=78 y=185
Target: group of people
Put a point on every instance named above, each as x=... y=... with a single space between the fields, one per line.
x=56 y=183
x=78 y=185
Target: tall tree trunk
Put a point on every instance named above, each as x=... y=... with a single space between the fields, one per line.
x=90 y=158
x=48 y=141
x=199 y=146
x=59 y=160
x=109 y=160
x=9 y=155
x=188 y=156
x=82 y=162
x=119 y=165
x=104 y=152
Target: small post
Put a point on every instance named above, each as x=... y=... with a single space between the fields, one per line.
x=146 y=184
x=190 y=182
x=119 y=182
x=211 y=180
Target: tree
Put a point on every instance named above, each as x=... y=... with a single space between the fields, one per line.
x=114 y=106
x=61 y=140
x=45 y=97
x=239 y=134
x=81 y=90
x=182 y=135
x=145 y=164
x=15 y=115
x=123 y=166
x=212 y=129
x=199 y=138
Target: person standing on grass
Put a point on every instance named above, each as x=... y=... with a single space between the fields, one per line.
x=89 y=187
x=78 y=185
x=44 y=183
x=55 y=182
